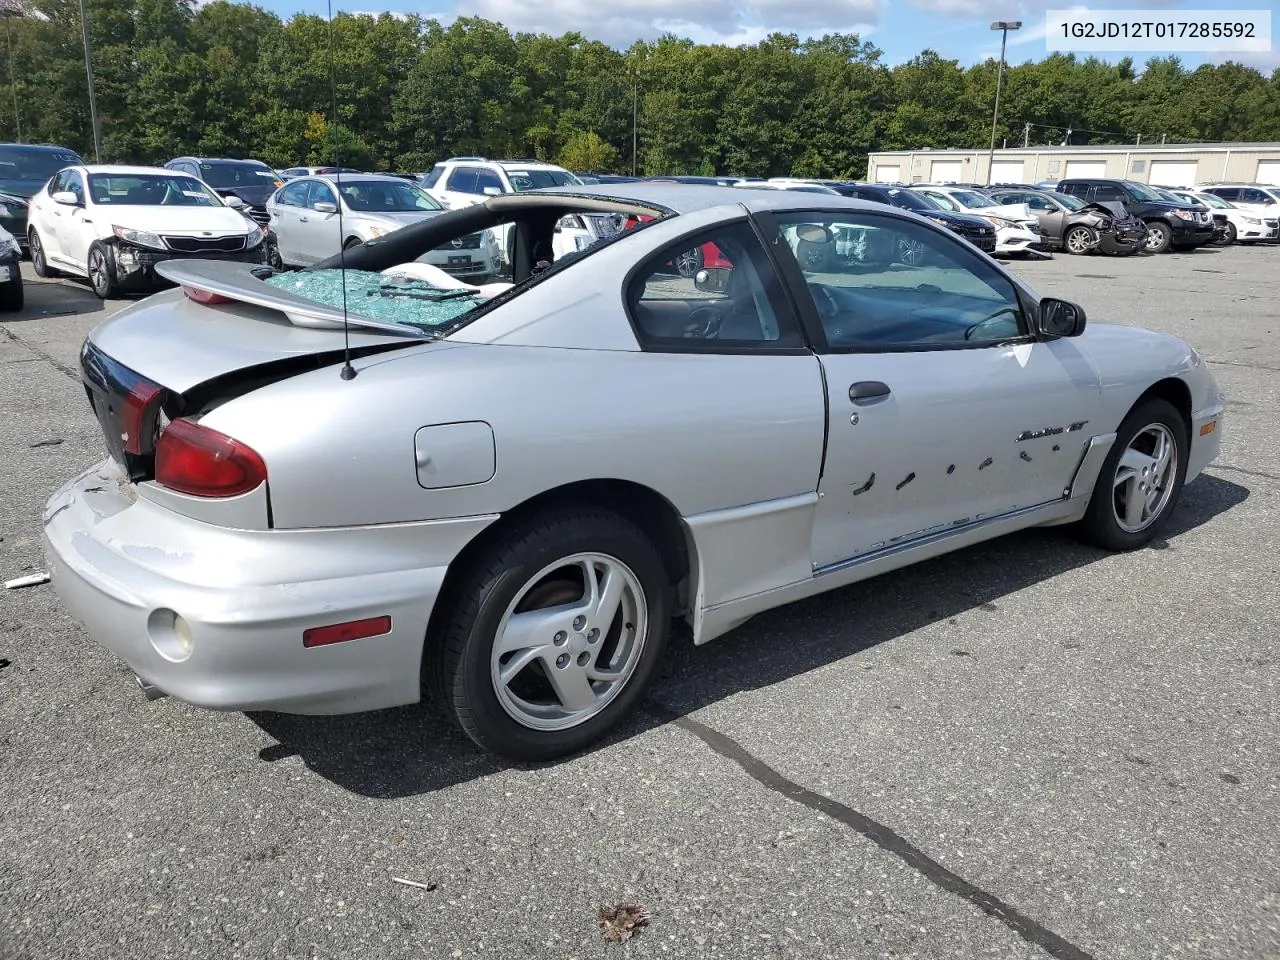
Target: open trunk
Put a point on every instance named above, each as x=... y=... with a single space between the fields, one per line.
x=223 y=333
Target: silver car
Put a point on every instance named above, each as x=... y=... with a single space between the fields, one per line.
x=360 y=487
x=313 y=217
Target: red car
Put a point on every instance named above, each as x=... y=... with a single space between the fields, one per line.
x=691 y=261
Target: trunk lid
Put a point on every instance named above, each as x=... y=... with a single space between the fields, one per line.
x=172 y=355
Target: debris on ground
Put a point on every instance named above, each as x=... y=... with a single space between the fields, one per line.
x=428 y=886
x=51 y=442
x=28 y=581
x=619 y=922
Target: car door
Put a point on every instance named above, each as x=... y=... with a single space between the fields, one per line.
x=74 y=226
x=320 y=234
x=944 y=410
x=1052 y=216
x=47 y=214
x=286 y=220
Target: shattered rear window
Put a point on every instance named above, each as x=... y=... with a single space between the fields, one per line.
x=391 y=299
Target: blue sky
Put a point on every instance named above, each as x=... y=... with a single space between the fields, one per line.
x=957 y=29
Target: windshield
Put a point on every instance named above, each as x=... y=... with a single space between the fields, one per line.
x=971 y=199
x=1209 y=200
x=224 y=174
x=1068 y=201
x=1142 y=191
x=386 y=196
x=19 y=163
x=910 y=200
x=522 y=179
x=150 y=190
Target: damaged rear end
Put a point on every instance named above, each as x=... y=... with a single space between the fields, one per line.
x=167 y=550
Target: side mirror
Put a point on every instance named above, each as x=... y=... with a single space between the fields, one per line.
x=493 y=191
x=233 y=201
x=66 y=197
x=711 y=280
x=1060 y=318
x=814 y=233
x=324 y=206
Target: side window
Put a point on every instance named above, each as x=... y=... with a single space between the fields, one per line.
x=294 y=194
x=1227 y=193
x=433 y=175
x=1255 y=196
x=1110 y=191
x=320 y=192
x=1073 y=189
x=716 y=292
x=881 y=282
x=58 y=182
x=462 y=180
x=487 y=178
x=1034 y=202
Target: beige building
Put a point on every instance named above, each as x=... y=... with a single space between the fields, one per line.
x=1171 y=165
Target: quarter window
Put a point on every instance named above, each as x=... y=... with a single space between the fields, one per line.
x=487 y=178
x=881 y=282
x=715 y=291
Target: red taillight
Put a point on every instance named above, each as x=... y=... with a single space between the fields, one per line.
x=342 y=632
x=204 y=296
x=205 y=463
x=138 y=408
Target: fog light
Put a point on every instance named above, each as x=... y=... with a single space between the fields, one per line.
x=170 y=634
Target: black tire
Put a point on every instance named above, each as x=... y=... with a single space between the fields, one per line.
x=352 y=242
x=1082 y=238
x=273 y=255
x=457 y=660
x=38 y=262
x=102 y=271
x=1159 y=236
x=1100 y=525
x=12 y=295
x=1229 y=238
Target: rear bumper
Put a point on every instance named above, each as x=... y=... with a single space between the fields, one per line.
x=124 y=566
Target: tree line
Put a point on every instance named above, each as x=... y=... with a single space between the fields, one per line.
x=397 y=92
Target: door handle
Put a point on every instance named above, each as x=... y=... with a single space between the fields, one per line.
x=302 y=219
x=868 y=390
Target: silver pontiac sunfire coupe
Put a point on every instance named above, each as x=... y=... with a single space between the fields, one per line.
x=351 y=486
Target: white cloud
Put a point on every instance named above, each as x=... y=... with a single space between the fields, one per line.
x=622 y=22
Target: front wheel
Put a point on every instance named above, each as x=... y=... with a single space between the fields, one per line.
x=1159 y=237
x=1079 y=240
x=1228 y=237
x=101 y=275
x=1141 y=479
x=551 y=638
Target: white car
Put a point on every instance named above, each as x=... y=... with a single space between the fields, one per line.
x=315 y=217
x=1260 y=199
x=1243 y=226
x=1017 y=228
x=113 y=224
x=464 y=181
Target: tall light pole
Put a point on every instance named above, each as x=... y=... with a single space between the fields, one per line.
x=93 y=103
x=1004 y=26
x=10 y=9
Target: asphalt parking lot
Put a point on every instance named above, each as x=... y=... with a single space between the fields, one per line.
x=1026 y=749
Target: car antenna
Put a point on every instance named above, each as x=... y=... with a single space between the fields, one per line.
x=348 y=371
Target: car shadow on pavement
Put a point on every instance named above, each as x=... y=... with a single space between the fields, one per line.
x=59 y=298
x=413 y=750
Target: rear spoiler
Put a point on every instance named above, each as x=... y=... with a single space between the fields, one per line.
x=220 y=281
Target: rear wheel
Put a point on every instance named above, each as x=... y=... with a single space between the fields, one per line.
x=38 y=261
x=1141 y=479
x=551 y=638
x=352 y=242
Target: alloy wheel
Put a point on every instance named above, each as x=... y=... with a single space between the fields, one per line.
x=569 y=642
x=98 y=275
x=1079 y=240
x=1143 y=482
